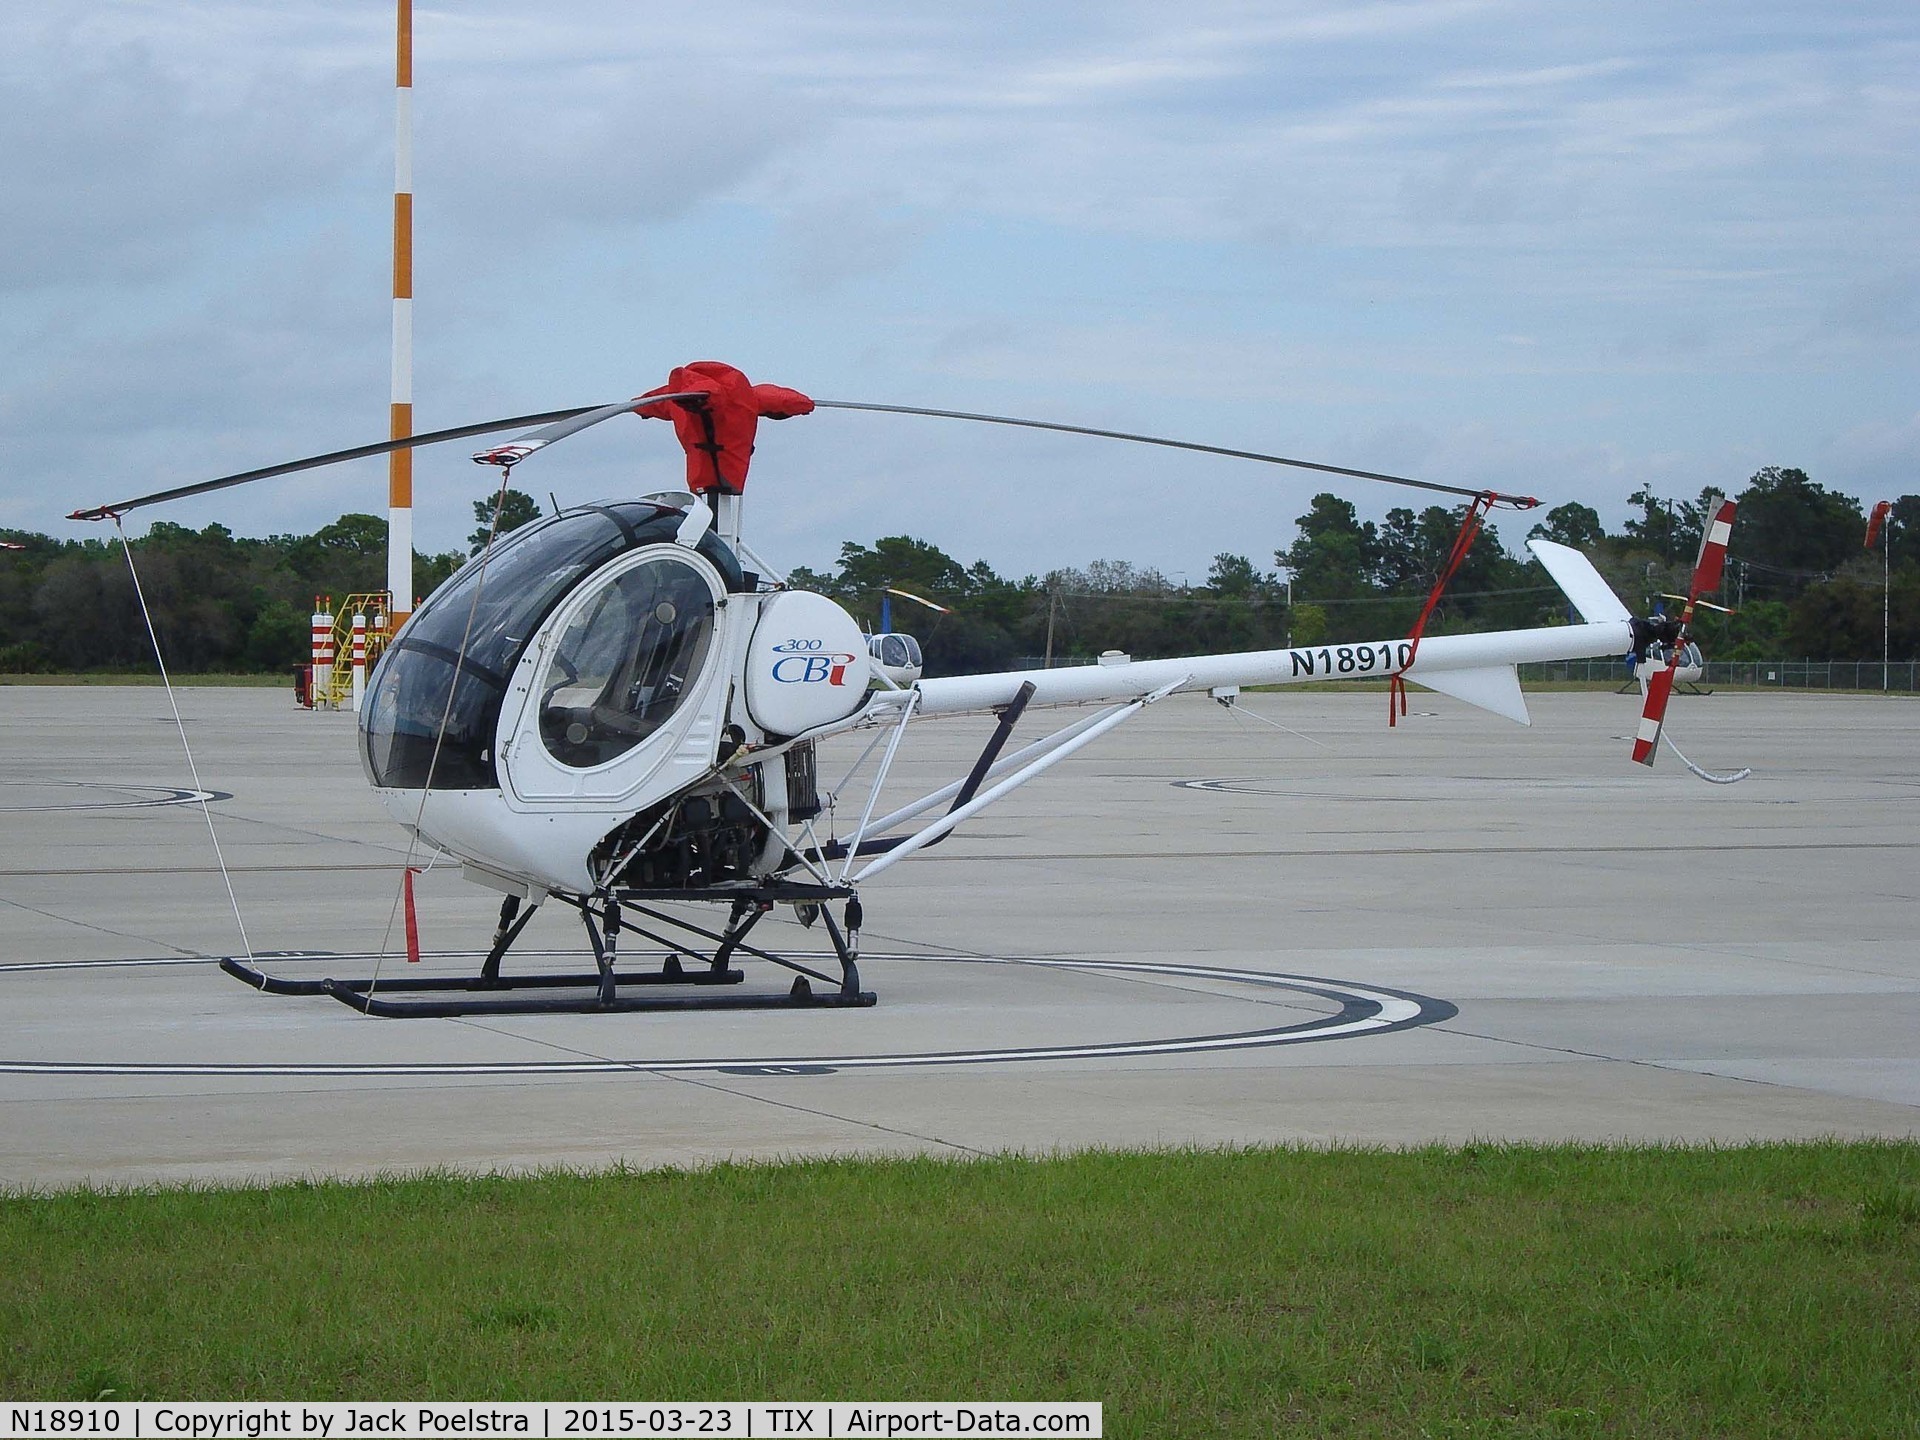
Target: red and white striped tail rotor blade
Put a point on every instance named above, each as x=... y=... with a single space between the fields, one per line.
x=1647 y=739
x=1712 y=559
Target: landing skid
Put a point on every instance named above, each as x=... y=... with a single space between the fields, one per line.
x=606 y=918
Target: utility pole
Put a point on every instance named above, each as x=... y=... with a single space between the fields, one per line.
x=1879 y=529
x=1052 y=604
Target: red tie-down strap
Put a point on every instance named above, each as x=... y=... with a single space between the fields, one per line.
x=717 y=430
x=1462 y=543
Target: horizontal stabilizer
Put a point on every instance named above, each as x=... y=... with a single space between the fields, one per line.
x=1491 y=687
x=1574 y=573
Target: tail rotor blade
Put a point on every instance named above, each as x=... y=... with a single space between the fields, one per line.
x=1646 y=740
x=1708 y=567
x=1712 y=560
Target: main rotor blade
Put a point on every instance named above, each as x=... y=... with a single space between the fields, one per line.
x=1698 y=604
x=516 y=450
x=909 y=595
x=1517 y=502
x=335 y=457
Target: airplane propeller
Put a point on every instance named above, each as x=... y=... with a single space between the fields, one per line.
x=1707 y=569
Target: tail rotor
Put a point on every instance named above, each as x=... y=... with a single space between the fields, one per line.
x=1671 y=633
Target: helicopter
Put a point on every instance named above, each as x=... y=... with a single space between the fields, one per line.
x=619 y=707
x=896 y=654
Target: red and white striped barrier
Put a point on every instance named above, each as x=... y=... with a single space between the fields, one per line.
x=359 y=660
x=322 y=654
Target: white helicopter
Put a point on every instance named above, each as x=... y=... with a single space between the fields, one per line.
x=617 y=707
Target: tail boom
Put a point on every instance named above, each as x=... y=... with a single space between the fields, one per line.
x=1439 y=657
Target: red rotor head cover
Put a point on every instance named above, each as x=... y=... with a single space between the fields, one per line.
x=717 y=432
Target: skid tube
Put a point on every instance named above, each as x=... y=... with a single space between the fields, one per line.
x=605 y=918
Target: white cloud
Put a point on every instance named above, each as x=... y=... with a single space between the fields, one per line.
x=1567 y=246
x=121 y=166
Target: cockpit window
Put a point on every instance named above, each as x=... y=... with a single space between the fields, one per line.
x=482 y=619
x=626 y=661
x=895 y=650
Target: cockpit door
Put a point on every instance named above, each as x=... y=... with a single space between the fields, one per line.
x=619 y=699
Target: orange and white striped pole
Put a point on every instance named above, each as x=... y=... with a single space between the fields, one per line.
x=400 y=462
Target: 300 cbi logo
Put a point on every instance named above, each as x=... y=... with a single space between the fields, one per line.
x=807 y=662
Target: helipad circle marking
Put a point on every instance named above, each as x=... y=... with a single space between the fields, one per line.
x=1279 y=789
x=1364 y=1010
x=147 y=797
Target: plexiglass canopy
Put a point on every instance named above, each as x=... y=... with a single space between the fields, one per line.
x=455 y=658
x=627 y=659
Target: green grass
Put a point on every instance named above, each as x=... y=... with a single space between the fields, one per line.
x=1486 y=1290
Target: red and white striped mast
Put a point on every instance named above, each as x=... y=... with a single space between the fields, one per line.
x=400 y=422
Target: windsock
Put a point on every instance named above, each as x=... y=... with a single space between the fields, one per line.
x=1877 y=521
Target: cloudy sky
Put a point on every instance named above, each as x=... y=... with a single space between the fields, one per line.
x=1549 y=246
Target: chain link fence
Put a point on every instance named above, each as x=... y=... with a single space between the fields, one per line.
x=1902 y=676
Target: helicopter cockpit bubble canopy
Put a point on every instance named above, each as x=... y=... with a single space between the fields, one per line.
x=456 y=657
x=896 y=655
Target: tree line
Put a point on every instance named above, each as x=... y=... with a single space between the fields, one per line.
x=220 y=602
x=1799 y=578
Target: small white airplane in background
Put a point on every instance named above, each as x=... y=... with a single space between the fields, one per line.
x=618 y=707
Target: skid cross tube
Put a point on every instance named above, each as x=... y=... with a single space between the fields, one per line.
x=849 y=981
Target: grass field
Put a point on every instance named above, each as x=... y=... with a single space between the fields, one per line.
x=1475 y=1291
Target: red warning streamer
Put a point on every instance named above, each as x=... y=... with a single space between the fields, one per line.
x=413 y=920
